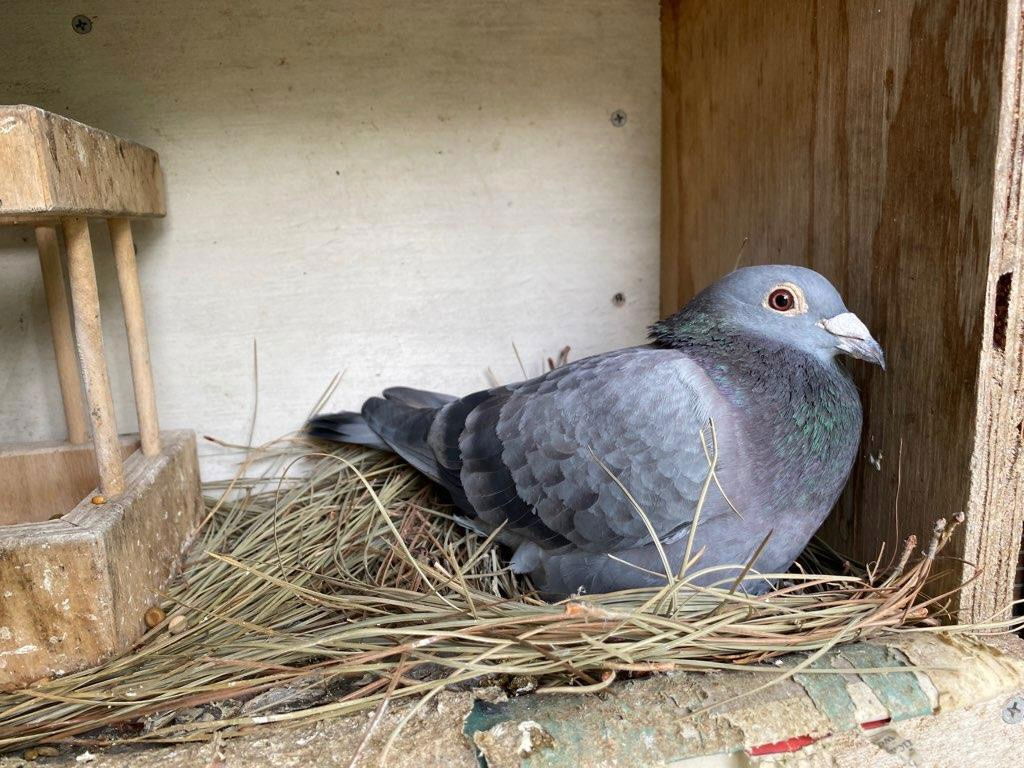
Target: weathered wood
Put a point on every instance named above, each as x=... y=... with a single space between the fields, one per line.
x=997 y=462
x=89 y=338
x=878 y=143
x=76 y=589
x=41 y=480
x=51 y=166
x=135 y=324
x=60 y=330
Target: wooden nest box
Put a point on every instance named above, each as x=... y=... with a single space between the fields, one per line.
x=90 y=529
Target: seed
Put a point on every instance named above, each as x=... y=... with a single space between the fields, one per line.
x=177 y=625
x=99 y=499
x=31 y=754
x=47 y=751
x=154 y=616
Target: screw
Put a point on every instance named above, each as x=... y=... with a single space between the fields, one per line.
x=619 y=299
x=1013 y=710
x=81 y=24
x=618 y=118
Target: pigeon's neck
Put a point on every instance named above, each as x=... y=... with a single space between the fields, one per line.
x=807 y=405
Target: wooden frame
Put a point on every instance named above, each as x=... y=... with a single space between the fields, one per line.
x=879 y=143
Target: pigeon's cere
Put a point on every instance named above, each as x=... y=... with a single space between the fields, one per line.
x=744 y=378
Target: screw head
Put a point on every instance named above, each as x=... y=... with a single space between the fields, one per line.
x=1013 y=710
x=618 y=118
x=82 y=24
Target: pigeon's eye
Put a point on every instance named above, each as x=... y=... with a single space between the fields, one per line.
x=782 y=300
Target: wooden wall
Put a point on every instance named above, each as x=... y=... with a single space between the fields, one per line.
x=877 y=143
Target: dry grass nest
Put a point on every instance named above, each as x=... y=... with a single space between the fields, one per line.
x=326 y=583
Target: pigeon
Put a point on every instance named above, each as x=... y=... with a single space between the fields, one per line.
x=713 y=453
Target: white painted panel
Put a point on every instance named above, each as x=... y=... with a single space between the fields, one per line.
x=397 y=190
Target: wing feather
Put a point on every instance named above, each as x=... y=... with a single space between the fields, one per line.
x=521 y=454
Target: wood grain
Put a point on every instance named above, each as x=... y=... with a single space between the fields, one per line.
x=135 y=325
x=865 y=140
x=76 y=588
x=63 y=338
x=89 y=337
x=41 y=480
x=53 y=166
x=997 y=464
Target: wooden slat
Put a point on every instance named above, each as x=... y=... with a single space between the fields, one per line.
x=89 y=337
x=40 y=480
x=60 y=330
x=997 y=481
x=865 y=139
x=51 y=166
x=135 y=325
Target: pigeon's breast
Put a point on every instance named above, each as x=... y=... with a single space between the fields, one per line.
x=801 y=439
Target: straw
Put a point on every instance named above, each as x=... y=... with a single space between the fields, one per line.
x=339 y=582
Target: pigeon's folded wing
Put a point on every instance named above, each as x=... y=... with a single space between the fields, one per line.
x=539 y=456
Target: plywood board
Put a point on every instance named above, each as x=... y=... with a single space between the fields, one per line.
x=877 y=143
x=43 y=480
x=393 y=190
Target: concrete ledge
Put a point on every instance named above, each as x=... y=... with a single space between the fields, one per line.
x=726 y=720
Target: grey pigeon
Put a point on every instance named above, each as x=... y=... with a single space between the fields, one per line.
x=745 y=376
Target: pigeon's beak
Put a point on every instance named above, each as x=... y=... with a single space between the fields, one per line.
x=853 y=338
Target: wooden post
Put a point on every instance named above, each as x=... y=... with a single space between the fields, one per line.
x=89 y=335
x=135 y=323
x=60 y=329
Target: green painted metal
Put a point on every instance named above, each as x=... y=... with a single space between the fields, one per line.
x=899 y=691
x=829 y=694
x=578 y=723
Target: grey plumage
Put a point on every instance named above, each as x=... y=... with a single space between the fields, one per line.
x=732 y=370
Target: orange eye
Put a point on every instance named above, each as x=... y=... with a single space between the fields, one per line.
x=781 y=300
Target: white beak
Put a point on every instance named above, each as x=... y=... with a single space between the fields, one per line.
x=854 y=338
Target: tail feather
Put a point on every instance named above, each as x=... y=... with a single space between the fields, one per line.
x=405 y=429
x=398 y=422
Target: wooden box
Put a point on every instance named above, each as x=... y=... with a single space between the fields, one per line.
x=77 y=576
x=90 y=529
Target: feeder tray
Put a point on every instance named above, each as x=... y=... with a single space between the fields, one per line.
x=89 y=531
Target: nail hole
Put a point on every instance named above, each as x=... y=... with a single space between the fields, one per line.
x=619 y=299
x=1003 y=286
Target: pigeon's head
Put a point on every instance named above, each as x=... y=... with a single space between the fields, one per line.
x=793 y=305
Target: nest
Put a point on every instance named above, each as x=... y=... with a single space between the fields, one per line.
x=331 y=583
